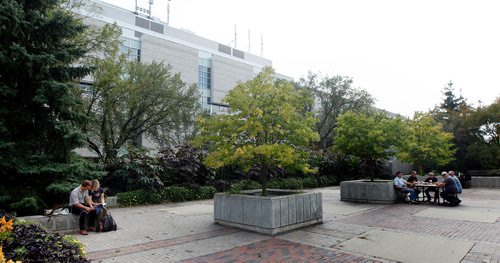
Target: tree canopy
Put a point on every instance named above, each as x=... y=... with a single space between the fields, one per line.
x=332 y=97
x=482 y=130
x=427 y=146
x=129 y=99
x=370 y=137
x=41 y=46
x=265 y=128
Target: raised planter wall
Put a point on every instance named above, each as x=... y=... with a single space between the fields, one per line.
x=63 y=223
x=379 y=191
x=485 y=182
x=268 y=214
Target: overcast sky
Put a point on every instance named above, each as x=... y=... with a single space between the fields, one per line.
x=402 y=52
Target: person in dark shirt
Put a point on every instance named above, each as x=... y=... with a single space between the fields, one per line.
x=96 y=194
x=431 y=179
x=450 y=191
x=413 y=180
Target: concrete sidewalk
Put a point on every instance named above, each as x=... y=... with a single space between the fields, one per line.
x=351 y=232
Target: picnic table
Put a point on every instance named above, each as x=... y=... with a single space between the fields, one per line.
x=425 y=185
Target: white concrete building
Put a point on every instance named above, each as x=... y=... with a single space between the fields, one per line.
x=215 y=67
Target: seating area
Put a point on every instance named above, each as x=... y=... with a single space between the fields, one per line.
x=63 y=223
x=351 y=231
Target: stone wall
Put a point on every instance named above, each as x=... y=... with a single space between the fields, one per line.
x=63 y=223
x=268 y=214
x=364 y=191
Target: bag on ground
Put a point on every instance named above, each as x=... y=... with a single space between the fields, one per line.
x=109 y=223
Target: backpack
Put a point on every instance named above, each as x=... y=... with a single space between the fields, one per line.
x=109 y=223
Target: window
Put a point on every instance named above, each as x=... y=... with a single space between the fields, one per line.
x=131 y=45
x=205 y=78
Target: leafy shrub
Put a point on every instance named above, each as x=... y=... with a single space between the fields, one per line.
x=134 y=171
x=206 y=192
x=183 y=193
x=141 y=197
x=184 y=165
x=288 y=183
x=244 y=185
x=309 y=182
x=221 y=185
x=173 y=193
x=179 y=193
x=326 y=181
x=336 y=165
x=32 y=243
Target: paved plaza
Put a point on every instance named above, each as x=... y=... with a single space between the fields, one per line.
x=351 y=232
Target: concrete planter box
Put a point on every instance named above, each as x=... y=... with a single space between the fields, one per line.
x=268 y=214
x=379 y=191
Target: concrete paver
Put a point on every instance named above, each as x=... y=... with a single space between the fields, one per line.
x=186 y=232
x=465 y=212
x=402 y=247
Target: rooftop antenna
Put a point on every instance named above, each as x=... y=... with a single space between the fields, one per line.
x=261 y=45
x=150 y=4
x=249 y=41
x=168 y=12
x=234 y=35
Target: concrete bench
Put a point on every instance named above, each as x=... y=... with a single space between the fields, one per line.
x=63 y=223
x=485 y=182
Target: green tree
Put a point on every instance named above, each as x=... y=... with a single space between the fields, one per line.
x=333 y=96
x=129 y=99
x=451 y=113
x=370 y=137
x=428 y=146
x=482 y=128
x=265 y=128
x=41 y=46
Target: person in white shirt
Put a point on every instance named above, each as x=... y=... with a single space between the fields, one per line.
x=81 y=205
x=401 y=185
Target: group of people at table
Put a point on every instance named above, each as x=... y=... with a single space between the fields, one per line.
x=450 y=186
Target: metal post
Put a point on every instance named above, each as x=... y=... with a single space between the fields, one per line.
x=150 y=4
x=168 y=12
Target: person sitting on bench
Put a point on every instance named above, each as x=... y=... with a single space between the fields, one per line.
x=450 y=191
x=81 y=205
x=400 y=185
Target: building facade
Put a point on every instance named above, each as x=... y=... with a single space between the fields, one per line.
x=214 y=67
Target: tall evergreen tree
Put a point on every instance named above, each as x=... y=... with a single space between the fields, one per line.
x=450 y=113
x=40 y=46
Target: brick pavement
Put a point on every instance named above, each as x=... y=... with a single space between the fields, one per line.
x=161 y=233
x=279 y=250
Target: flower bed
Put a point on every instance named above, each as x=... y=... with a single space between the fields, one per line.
x=28 y=242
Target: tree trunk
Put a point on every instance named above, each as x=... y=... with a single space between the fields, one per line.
x=264 y=185
x=263 y=177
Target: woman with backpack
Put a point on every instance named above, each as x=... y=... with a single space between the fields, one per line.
x=97 y=195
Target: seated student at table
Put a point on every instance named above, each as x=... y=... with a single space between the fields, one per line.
x=450 y=190
x=431 y=179
x=457 y=182
x=401 y=184
x=413 y=180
